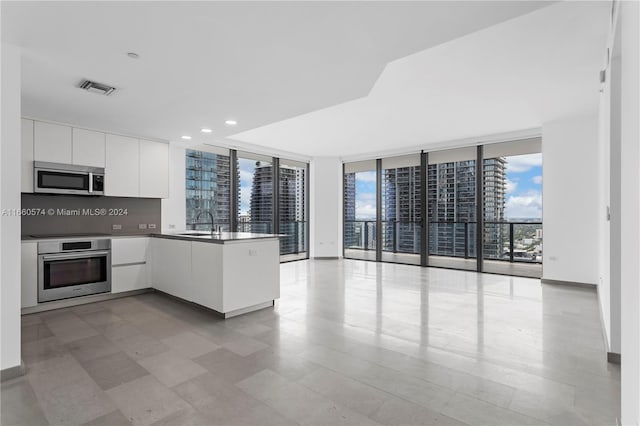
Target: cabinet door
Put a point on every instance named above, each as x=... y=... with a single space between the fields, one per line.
x=52 y=142
x=88 y=148
x=127 y=278
x=206 y=270
x=154 y=169
x=126 y=251
x=27 y=156
x=29 y=274
x=122 y=166
x=171 y=266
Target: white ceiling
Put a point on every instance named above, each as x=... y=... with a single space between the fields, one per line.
x=263 y=62
x=513 y=76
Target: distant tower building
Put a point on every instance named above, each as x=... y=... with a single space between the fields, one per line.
x=401 y=192
x=452 y=206
x=208 y=187
x=261 y=204
x=350 y=238
x=291 y=205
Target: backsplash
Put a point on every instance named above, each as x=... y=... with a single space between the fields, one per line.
x=75 y=214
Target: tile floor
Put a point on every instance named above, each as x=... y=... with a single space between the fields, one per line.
x=349 y=342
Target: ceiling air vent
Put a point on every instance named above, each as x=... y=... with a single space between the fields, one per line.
x=99 y=88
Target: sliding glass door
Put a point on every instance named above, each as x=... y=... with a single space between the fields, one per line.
x=360 y=205
x=292 y=210
x=512 y=237
x=401 y=200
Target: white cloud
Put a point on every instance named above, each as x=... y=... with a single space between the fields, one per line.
x=365 y=206
x=523 y=163
x=510 y=186
x=366 y=176
x=527 y=205
x=537 y=180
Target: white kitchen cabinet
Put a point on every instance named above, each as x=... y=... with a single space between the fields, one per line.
x=125 y=251
x=128 y=278
x=130 y=267
x=171 y=266
x=122 y=166
x=206 y=269
x=88 y=148
x=26 y=183
x=29 y=274
x=52 y=143
x=154 y=169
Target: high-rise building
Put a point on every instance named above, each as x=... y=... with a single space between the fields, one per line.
x=290 y=204
x=402 y=204
x=208 y=187
x=350 y=237
x=452 y=207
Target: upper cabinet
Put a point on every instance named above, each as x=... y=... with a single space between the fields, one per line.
x=52 y=143
x=27 y=156
x=122 y=167
x=133 y=167
x=154 y=169
x=88 y=148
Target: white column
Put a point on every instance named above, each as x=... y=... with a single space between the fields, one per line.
x=630 y=212
x=10 y=153
x=326 y=207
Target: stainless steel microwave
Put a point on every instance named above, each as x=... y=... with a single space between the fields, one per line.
x=55 y=178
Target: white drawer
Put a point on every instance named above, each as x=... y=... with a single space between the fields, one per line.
x=126 y=251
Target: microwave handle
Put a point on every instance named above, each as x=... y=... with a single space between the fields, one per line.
x=90 y=182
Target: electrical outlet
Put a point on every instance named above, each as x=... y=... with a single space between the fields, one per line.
x=152 y=226
x=116 y=227
x=142 y=226
x=253 y=252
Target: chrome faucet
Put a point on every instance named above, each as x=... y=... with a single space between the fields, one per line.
x=210 y=217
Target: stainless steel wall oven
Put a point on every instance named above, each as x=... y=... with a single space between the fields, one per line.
x=72 y=268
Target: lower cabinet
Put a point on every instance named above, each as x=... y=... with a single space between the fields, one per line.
x=130 y=264
x=172 y=267
x=129 y=277
x=29 y=274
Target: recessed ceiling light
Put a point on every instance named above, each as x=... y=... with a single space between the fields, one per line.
x=133 y=55
x=231 y=122
x=187 y=137
x=205 y=130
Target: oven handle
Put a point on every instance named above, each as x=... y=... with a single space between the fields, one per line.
x=77 y=255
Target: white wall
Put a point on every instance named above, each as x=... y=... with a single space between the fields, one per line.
x=570 y=199
x=174 y=208
x=10 y=161
x=326 y=207
x=630 y=190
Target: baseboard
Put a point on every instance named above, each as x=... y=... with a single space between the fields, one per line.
x=569 y=283
x=12 y=372
x=76 y=301
x=613 y=358
x=326 y=257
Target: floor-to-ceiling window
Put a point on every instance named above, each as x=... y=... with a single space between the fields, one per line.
x=360 y=205
x=401 y=202
x=512 y=237
x=473 y=208
x=208 y=189
x=235 y=190
x=452 y=208
x=255 y=193
x=292 y=209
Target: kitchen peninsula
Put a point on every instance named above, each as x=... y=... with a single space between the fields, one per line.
x=230 y=272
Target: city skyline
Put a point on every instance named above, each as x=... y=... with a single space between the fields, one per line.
x=523 y=189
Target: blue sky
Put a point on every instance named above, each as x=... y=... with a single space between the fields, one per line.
x=247 y=167
x=524 y=189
